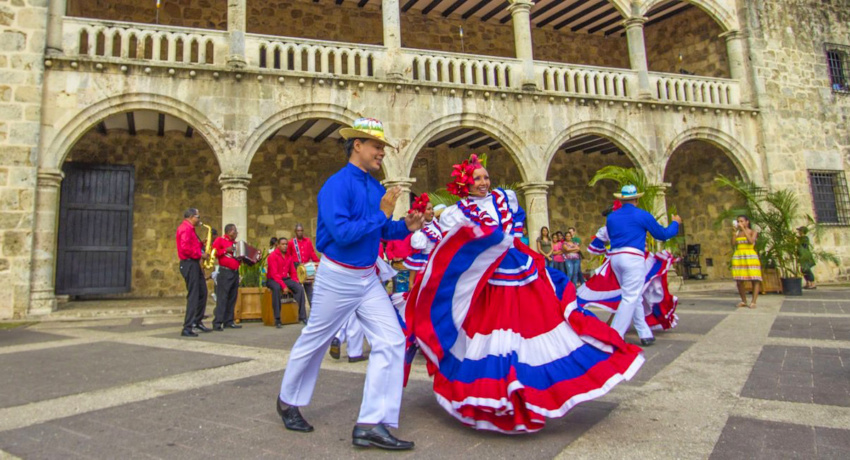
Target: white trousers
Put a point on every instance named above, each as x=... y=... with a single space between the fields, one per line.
x=339 y=292
x=352 y=332
x=631 y=273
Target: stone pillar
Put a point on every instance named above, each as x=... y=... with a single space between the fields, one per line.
x=536 y=207
x=392 y=39
x=236 y=12
x=637 y=54
x=522 y=40
x=660 y=209
x=43 y=280
x=55 y=14
x=738 y=64
x=403 y=203
x=234 y=201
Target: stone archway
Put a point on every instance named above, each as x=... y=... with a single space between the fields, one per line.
x=727 y=19
x=747 y=162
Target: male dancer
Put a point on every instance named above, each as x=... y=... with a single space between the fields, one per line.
x=627 y=229
x=354 y=214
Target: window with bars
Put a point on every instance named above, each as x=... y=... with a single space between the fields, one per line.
x=831 y=198
x=838 y=66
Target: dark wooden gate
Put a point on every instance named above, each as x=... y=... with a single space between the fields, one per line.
x=95 y=244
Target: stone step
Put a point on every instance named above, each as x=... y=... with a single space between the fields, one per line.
x=121 y=308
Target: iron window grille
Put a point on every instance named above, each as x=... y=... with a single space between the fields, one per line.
x=838 y=66
x=830 y=196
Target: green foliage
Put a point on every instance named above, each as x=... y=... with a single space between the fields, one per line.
x=253 y=275
x=630 y=176
x=775 y=215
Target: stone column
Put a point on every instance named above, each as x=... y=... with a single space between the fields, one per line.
x=738 y=64
x=661 y=203
x=536 y=207
x=403 y=203
x=522 y=40
x=392 y=39
x=236 y=12
x=43 y=280
x=637 y=54
x=234 y=201
x=55 y=14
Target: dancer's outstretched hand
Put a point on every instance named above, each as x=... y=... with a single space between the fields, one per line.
x=414 y=221
x=676 y=218
x=389 y=199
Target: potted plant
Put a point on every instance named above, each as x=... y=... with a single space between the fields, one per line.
x=251 y=290
x=775 y=214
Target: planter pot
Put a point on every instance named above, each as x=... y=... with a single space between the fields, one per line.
x=792 y=286
x=249 y=303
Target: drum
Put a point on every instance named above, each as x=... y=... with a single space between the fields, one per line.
x=306 y=272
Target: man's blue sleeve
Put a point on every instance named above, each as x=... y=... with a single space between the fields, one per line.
x=394 y=230
x=344 y=228
x=656 y=230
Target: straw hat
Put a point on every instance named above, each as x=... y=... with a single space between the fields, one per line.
x=628 y=192
x=366 y=128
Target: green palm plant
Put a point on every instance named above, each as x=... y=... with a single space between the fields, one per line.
x=775 y=214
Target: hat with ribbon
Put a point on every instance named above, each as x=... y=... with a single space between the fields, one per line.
x=462 y=176
x=420 y=203
x=628 y=192
x=366 y=128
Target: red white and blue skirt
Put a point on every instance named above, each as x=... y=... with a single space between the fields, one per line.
x=602 y=290
x=506 y=351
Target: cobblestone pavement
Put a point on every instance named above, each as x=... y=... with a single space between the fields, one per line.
x=728 y=383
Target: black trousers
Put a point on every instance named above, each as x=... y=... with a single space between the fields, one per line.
x=308 y=288
x=297 y=294
x=196 y=299
x=226 y=290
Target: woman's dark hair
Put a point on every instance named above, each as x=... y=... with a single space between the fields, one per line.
x=747 y=218
x=273 y=242
x=607 y=211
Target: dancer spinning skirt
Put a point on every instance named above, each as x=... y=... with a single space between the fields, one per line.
x=602 y=290
x=505 y=351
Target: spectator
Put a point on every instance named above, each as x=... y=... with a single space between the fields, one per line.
x=807 y=259
x=544 y=245
x=558 y=260
x=572 y=256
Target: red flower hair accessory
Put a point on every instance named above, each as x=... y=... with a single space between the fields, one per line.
x=420 y=203
x=462 y=176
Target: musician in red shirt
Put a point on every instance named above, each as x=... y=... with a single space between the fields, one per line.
x=227 y=282
x=190 y=252
x=300 y=250
x=282 y=276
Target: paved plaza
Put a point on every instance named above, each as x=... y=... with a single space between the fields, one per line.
x=728 y=383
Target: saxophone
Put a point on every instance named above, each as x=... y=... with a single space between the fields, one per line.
x=209 y=263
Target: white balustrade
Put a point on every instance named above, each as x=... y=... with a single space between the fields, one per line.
x=313 y=56
x=586 y=80
x=124 y=40
x=694 y=89
x=462 y=69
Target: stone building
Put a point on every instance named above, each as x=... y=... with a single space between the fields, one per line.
x=116 y=116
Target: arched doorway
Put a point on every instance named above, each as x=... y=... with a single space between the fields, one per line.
x=691 y=171
x=171 y=168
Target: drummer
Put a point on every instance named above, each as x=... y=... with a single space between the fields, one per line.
x=300 y=250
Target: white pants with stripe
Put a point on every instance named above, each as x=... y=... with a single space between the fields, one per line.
x=352 y=332
x=630 y=269
x=339 y=292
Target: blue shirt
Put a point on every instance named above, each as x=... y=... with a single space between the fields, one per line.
x=351 y=223
x=628 y=225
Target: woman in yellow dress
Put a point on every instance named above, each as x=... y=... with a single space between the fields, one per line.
x=745 y=260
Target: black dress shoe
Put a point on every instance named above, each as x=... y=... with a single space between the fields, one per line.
x=357 y=359
x=278 y=324
x=188 y=333
x=292 y=418
x=218 y=327
x=202 y=328
x=647 y=342
x=334 y=351
x=233 y=326
x=378 y=436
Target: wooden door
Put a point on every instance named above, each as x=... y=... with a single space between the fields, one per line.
x=95 y=242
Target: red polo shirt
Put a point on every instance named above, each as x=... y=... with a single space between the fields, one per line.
x=225 y=259
x=308 y=254
x=188 y=244
x=280 y=267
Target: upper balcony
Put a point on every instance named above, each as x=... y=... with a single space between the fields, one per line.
x=119 y=42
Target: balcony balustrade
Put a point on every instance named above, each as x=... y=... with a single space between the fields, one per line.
x=694 y=90
x=586 y=80
x=312 y=56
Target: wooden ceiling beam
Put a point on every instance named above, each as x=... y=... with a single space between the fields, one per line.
x=588 y=145
x=190 y=131
x=560 y=14
x=327 y=132
x=131 y=123
x=475 y=8
x=448 y=137
x=431 y=6
x=160 y=125
x=667 y=16
x=494 y=11
x=467 y=139
x=482 y=143
x=303 y=129
x=408 y=5
x=604 y=14
x=579 y=16
x=451 y=9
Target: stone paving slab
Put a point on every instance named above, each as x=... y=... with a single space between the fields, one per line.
x=24 y=336
x=818 y=328
x=238 y=420
x=658 y=356
x=759 y=439
x=252 y=334
x=801 y=374
x=50 y=373
x=708 y=304
x=700 y=324
x=816 y=306
x=137 y=325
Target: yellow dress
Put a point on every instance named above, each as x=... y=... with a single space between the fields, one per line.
x=745 y=261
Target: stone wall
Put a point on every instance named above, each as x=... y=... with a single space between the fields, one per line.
x=204 y=14
x=22 y=41
x=694 y=195
x=169 y=179
x=695 y=36
x=804 y=123
x=433 y=167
